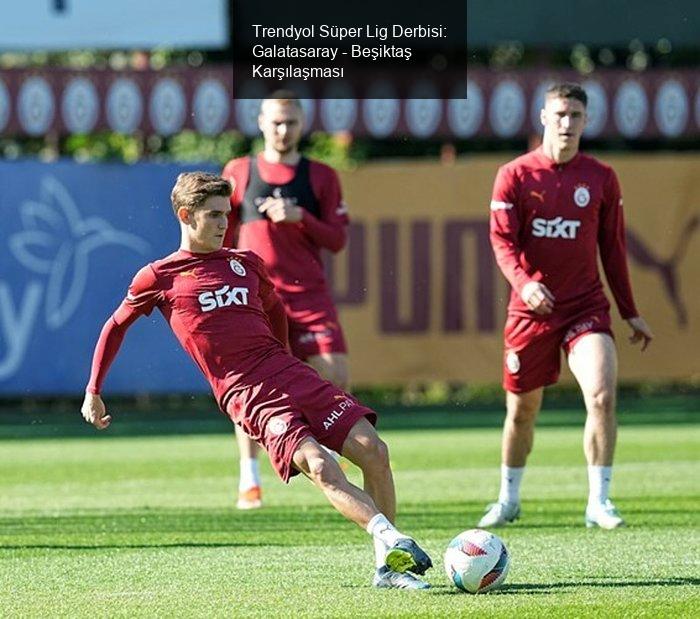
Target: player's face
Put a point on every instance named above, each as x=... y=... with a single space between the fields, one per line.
x=564 y=120
x=207 y=225
x=281 y=125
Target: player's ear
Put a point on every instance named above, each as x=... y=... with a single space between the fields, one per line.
x=543 y=117
x=260 y=121
x=184 y=216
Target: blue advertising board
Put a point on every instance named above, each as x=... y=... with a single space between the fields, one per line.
x=73 y=235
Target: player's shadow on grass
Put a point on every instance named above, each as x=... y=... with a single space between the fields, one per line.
x=557 y=587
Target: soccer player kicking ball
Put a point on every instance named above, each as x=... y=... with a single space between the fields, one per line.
x=553 y=210
x=287 y=208
x=222 y=308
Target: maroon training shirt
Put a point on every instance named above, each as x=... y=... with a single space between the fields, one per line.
x=291 y=252
x=548 y=222
x=222 y=308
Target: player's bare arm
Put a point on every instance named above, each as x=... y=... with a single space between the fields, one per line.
x=640 y=332
x=281 y=210
x=94 y=411
x=538 y=298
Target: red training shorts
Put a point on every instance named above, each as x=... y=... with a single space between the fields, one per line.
x=313 y=326
x=282 y=410
x=532 y=356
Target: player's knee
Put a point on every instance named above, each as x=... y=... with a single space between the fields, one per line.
x=369 y=452
x=324 y=470
x=602 y=401
x=336 y=371
x=378 y=453
x=522 y=414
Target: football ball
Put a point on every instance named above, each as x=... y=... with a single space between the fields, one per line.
x=476 y=561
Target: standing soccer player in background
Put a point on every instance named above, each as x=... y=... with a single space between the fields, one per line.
x=225 y=313
x=286 y=209
x=552 y=211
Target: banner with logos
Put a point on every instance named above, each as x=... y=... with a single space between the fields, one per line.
x=483 y=104
x=422 y=298
x=419 y=293
x=73 y=237
x=55 y=25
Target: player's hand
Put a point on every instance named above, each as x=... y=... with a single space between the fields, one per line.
x=640 y=332
x=281 y=210
x=94 y=412
x=538 y=298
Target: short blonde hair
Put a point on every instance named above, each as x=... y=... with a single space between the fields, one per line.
x=192 y=189
x=282 y=97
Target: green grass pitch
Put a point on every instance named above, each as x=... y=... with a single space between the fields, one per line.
x=126 y=526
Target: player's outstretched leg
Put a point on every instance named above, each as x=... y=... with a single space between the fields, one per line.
x=249 y=485
x=593 y=361
x=399 y=553
x=518 y=434
x=352 y=502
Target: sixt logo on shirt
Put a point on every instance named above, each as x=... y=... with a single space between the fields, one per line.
x=223 y=297
x=557 y=228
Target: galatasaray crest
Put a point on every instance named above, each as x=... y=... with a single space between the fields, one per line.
x=513 y=362
x=277 y=426
x=582 y=196
x=237 y=267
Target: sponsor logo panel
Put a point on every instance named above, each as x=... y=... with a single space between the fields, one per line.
x=223 y=297
x=557 y=228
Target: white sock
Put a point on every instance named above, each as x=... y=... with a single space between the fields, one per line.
x=511 y=476
x=380 y=549
x=380 y=528
x=598 y=483
x=249 y=474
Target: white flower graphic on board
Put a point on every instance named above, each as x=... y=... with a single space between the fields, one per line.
x=56 y=241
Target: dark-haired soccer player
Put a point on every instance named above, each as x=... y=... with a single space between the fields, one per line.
x=287 y=208
x=222 y=307
x=553 y=211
